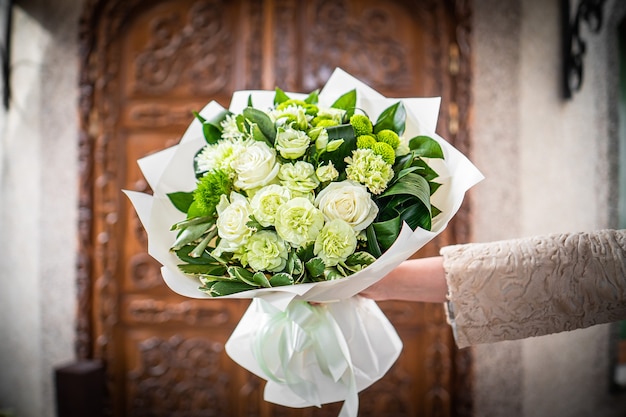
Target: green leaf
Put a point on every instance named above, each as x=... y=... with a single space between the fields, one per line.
x=281 y=279
x=392 y=118
x=192 y=269
x=205 y=259
x=280 y=96
x=263 y=121
x=427 y=172
x=197 y=116
x=411 y=184
x=305 y=253
x=181 y=200
x=435 y=211
x=211 y=127
x=346 y=102
x=372 y=242
x=417 y=215
x=212 y=133
x=426 y=147
x=261 y=280
x=220 y=288
x=195 y=211
x=258 y=135
x=387 y=232
x=250 y=100
x=359 y=260
x=405 y=171
x=190 y=234
x=434 y=186
x=315 y=267
x=345 y=132
x=313 y=97
x=241 y=274
x=331 y=274
x=295 y=266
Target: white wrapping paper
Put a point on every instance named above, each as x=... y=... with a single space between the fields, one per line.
x=360 y=342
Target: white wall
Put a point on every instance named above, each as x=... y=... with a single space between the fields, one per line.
x=38 y=217
x=547 y=162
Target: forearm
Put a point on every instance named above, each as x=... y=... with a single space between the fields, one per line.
x=421 y=279
x=534 y=286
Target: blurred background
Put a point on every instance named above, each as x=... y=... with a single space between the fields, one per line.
x=533 y=92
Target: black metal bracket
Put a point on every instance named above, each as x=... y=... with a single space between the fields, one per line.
x=574 y=46
x=5 y=51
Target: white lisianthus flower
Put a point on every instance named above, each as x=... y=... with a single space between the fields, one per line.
x=320 y=136
x=219 y=156
x=266 y=201
x=335 y=242
x=403 y=147
x=231 y=222
x=331 y=113
x=298 y=221
x=291 y=143
x=326 y=173
x=255 y=166
x=265 y=251
x=300 y=177
x=348 y=201
x=291 y=115
x=369 y=169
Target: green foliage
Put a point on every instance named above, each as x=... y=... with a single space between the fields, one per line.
x=346 y=102
x=392 y=118
x=181 y=200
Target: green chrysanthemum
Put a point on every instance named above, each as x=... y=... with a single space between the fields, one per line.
x=365 y=141
x=385 y=151
x=389 y=137
x=210 y=188
x=362 y=124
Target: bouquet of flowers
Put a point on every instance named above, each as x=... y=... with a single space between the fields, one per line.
x=291 y=198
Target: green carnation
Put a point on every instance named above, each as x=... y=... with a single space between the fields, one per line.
x=365 y=141
x=389 y=137
x=210 y=188
x=385 y=151
x=298 y=221
x=362 y=124
x=369 y=169
x=335 y=242
x=264 y=251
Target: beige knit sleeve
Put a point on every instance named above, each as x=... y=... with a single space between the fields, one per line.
x=534 y=286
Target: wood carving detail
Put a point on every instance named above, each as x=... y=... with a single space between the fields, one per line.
x=194 y=50
x=180 y=377
x=359 y=41
x=164 y=64
x=188 y=312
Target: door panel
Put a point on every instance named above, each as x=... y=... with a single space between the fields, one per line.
x=145 y=66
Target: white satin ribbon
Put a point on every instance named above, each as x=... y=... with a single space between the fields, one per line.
x=292 y=345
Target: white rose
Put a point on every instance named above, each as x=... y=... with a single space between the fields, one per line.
x=255 y=167
x=348 y=201
x=291 y=143
x=231 y=222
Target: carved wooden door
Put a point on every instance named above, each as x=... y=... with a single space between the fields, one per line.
x=145 y=66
